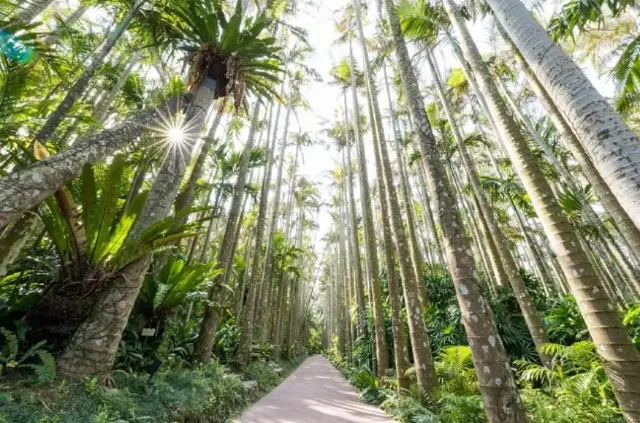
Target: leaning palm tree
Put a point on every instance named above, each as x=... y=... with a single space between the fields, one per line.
x=614 y=148
x=226 y=56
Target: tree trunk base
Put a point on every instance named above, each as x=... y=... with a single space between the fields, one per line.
x=62 y=308
x=92 y=349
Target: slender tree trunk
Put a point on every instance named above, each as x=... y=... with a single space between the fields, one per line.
x=400 y=347
x=69 y=20
x=246 y=323
x=31 y=9
x=622 y=360
x=209 y=324
x=187 y=196
x=371 y=253
x=425 y=370
x=497 y=385
x=429 y=214
x=267 y=281
x=530 y=314
x=408 y=202
x=104 y=105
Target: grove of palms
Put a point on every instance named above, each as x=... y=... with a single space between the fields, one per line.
x=440 y=196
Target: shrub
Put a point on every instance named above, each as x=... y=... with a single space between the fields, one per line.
x=202 y=395
x=263 y=373
x=407 y=409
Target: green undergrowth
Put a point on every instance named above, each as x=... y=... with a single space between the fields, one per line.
x=206 y=394
x=574 y=388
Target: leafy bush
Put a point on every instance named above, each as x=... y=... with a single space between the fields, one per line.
x=407 y=409
x=456 y=374
x=261 y=352
x=461 y=409
x=575 y=388
x=632 y=321
x=225 y=342
x=367 y=385
x=263 y=373
x=564 y=322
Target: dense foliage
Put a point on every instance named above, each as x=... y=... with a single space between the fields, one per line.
x=469 y=250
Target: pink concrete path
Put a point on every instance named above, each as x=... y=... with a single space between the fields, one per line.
x=315 y=393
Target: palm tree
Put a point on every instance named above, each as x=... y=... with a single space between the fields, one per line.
x=495 y=235
x=226 y=57
x=217 y=291
x=501 y=399
x=627 y=228
x=615 y=346
x=615 y=149
x=346 y=75
x=411 y=275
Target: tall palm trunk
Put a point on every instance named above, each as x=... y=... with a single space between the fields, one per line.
x=426 y=207
x=407 y=202
x=530 y=314
x=92 y=349
x=400 y=347
x=496 y=381
x=622 y=360
x=345 y=294
x=25 y=188
x=209 y=324
x=611 y=204
x=286 y=288
x=266 y=277
x=365 y=195
x=614 y=148
x=56 y=118
x=371 y=252
x=353 y=241
x=187 y=196
x=243 y=353
x=424 y=365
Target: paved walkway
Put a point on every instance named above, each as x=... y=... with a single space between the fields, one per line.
x=315 y=393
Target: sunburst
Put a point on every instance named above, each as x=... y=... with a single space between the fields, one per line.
x=176 y=135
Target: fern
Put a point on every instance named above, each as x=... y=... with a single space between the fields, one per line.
x=10 y=349
x=45 y=370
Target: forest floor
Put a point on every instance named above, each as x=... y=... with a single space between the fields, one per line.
x=315 y=393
